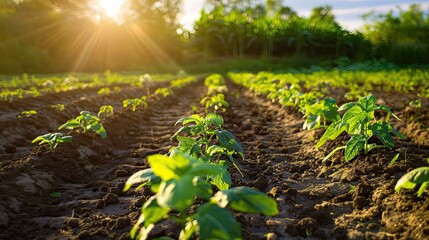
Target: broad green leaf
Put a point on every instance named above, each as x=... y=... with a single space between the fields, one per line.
x=152 y=212
x=332 y=132
x=411 y=179
x=195 y=118
x=347 y=106
x=70 y=124
x=163 y=166
x=422 y=188
x=381 y=130
x=203 y=169
x=227 y=140
x=145 y=175
x=186 y=144
x=311 y=122
x=215 y=149
x=355 y=115
x=217 y=223
x=396 y=133
x=246 y=200
x=222 y=180
x=368 y=103
x=354 y=146
x=177 y=194
x=213 y=119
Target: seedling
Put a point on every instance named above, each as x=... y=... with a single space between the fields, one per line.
x=178 y=181
x=134 y=103
x=85 y=122
x=319 y=113
x=104 y=90
x=58 y=106
x=52 y=139
x=360 y=123
x=28 y=113
x=217 y=102
x=164 y=92
x=416 y=103
x=105 y=111
x=207 y=140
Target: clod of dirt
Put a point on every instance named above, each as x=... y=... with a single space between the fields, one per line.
x=73 y=222
x=363 y=190
x=110 y=198
x=360 y=202
x=122 y=222
x=274 y=191
x=307 y=226
x=260 y=183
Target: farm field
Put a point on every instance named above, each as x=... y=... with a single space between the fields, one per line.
x=75 y=190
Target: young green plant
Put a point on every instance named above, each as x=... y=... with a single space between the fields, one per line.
x=52 y=139
x=203 y=137
x=360 y=123
x=85 y=122
x=134 y=103
x=178 y=181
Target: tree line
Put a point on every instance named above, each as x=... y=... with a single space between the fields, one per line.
x=68 y=35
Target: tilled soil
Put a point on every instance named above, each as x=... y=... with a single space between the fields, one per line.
x=75 y=192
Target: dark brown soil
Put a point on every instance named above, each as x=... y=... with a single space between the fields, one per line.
x=75 y=192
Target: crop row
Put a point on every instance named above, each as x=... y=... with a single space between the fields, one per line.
x=194 y=169
x=359 y=119
x=26 y=86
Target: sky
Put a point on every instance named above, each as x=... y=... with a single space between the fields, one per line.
x=348 y=12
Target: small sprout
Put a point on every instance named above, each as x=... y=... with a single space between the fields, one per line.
x=52 y=139
x=55 y=194
x=416 y=103
x=105 y=111
x=394 y=159
x=134 y=103
x=28 y=113
x=58 y=106
x=164 y=92
x=104 y=90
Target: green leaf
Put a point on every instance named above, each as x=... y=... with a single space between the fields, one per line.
x=204 y=189
x=332 y=132
x=215 y=150
x=177 y=194
x=354 y=146
x=70 y=124
x=213 y=119
x=195 y=118
x=246 y=200
x=142 y=176
x=203 y=169
x=217 y=223
x=411 y=179
x=381 y=130
x=227 y=140
x=163 y=166
x=184 y=129
x=394 y=159
x=368 y=103
x=222 y=180
x=311 y=122
x=186 y=144
x=152 y=212
x=347 y=106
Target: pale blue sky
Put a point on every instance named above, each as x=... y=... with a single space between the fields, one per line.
x=348 y=12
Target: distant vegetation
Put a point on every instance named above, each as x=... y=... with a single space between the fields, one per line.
x=55 y=36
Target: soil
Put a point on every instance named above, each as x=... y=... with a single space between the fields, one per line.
x=75 y=191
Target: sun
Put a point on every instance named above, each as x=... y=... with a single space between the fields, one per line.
x=110 y=9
